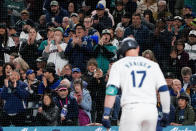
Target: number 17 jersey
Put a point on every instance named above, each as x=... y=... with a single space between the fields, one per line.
x=138 y=78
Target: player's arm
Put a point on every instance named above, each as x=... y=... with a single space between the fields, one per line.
x=165 y=103
x=111 y=92
x=165 y=98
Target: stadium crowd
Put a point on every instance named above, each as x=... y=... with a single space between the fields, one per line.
x=56 y=55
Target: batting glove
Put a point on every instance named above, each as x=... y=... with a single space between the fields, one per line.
x=106 y=117
x=165 y=120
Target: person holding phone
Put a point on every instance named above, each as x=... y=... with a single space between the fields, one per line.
x=104 y=51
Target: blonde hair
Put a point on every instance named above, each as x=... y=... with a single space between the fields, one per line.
x=151 y=54
x=23 y=64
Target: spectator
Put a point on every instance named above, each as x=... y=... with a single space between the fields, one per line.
x=50 y=37
x=71 y=7
x=41 y=64
x=7 y=45
x=193 y=92
x=66 y=25
x=56 y=13
x=162 y=44
x=149 y=55
x=149 y=20
x=33 y=98
x=96 y=87
x=179 y=58
x=160 y=114
x=15 y=95
x=130 y=6
x=147 y=5
x=29 y=49
x=67 y=105
x=24 y=18
x=104 y=51
x=48 y=113
x=84 y=101
x=77 y=75
x=138 y=31
x=24 y=35
x=187 y=9
x=101 y=19
x=41 y=25
x=119 y=34
x=91 y=68
x=54 y=51
x=66 y=72
x=184 y=112
x=176 y=91
x=113 y=40
x=125 y=21
x=178 y=7
x=50 y=81
x=88 y=22
x=79 y=49
x=169 y=77
x=118 y=12
x=190 y=48
x=162 y=10
x=7 y=68
x=20 y=64
x=186 y=73
x=75 y=19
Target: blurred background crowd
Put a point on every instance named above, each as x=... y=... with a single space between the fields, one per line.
x=56 y=55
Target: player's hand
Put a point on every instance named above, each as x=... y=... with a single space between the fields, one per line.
x=106 y=118
x=106 y=122
x=165 y=120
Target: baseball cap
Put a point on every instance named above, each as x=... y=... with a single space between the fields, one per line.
x=29 y=71
x=3 y=25
x=50 y=70
x=170 y=75
x=105 y=31
x=178 y=18
x=54 y=3
x=50 y=65
x=188 y=6
x=183 y=96
x=76 y=70
x=59 y=29
x=24 y=12
x=192 y=33
x=193 y=22
x=100 y=6
x=62 y=87
x=126 y=15
x=74 y=14
x=40 y=59
x=193 y=79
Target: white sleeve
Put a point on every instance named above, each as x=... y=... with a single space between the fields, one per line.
x=165 y=101
x=159 y=77
x=114 y=76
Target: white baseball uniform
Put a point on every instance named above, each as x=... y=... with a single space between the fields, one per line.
x=138 y=78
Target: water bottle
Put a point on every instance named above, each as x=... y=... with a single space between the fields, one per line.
x=64 y=111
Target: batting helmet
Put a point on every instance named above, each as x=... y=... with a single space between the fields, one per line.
x=127 y=44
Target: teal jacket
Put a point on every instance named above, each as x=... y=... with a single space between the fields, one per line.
x=103 y=54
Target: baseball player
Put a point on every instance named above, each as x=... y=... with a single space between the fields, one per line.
x=139 y=79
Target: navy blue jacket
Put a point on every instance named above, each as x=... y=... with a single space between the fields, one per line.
x=72 y=106
x=141 y=35
x=15 y=98
x=79 y=55
x=58 y=18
